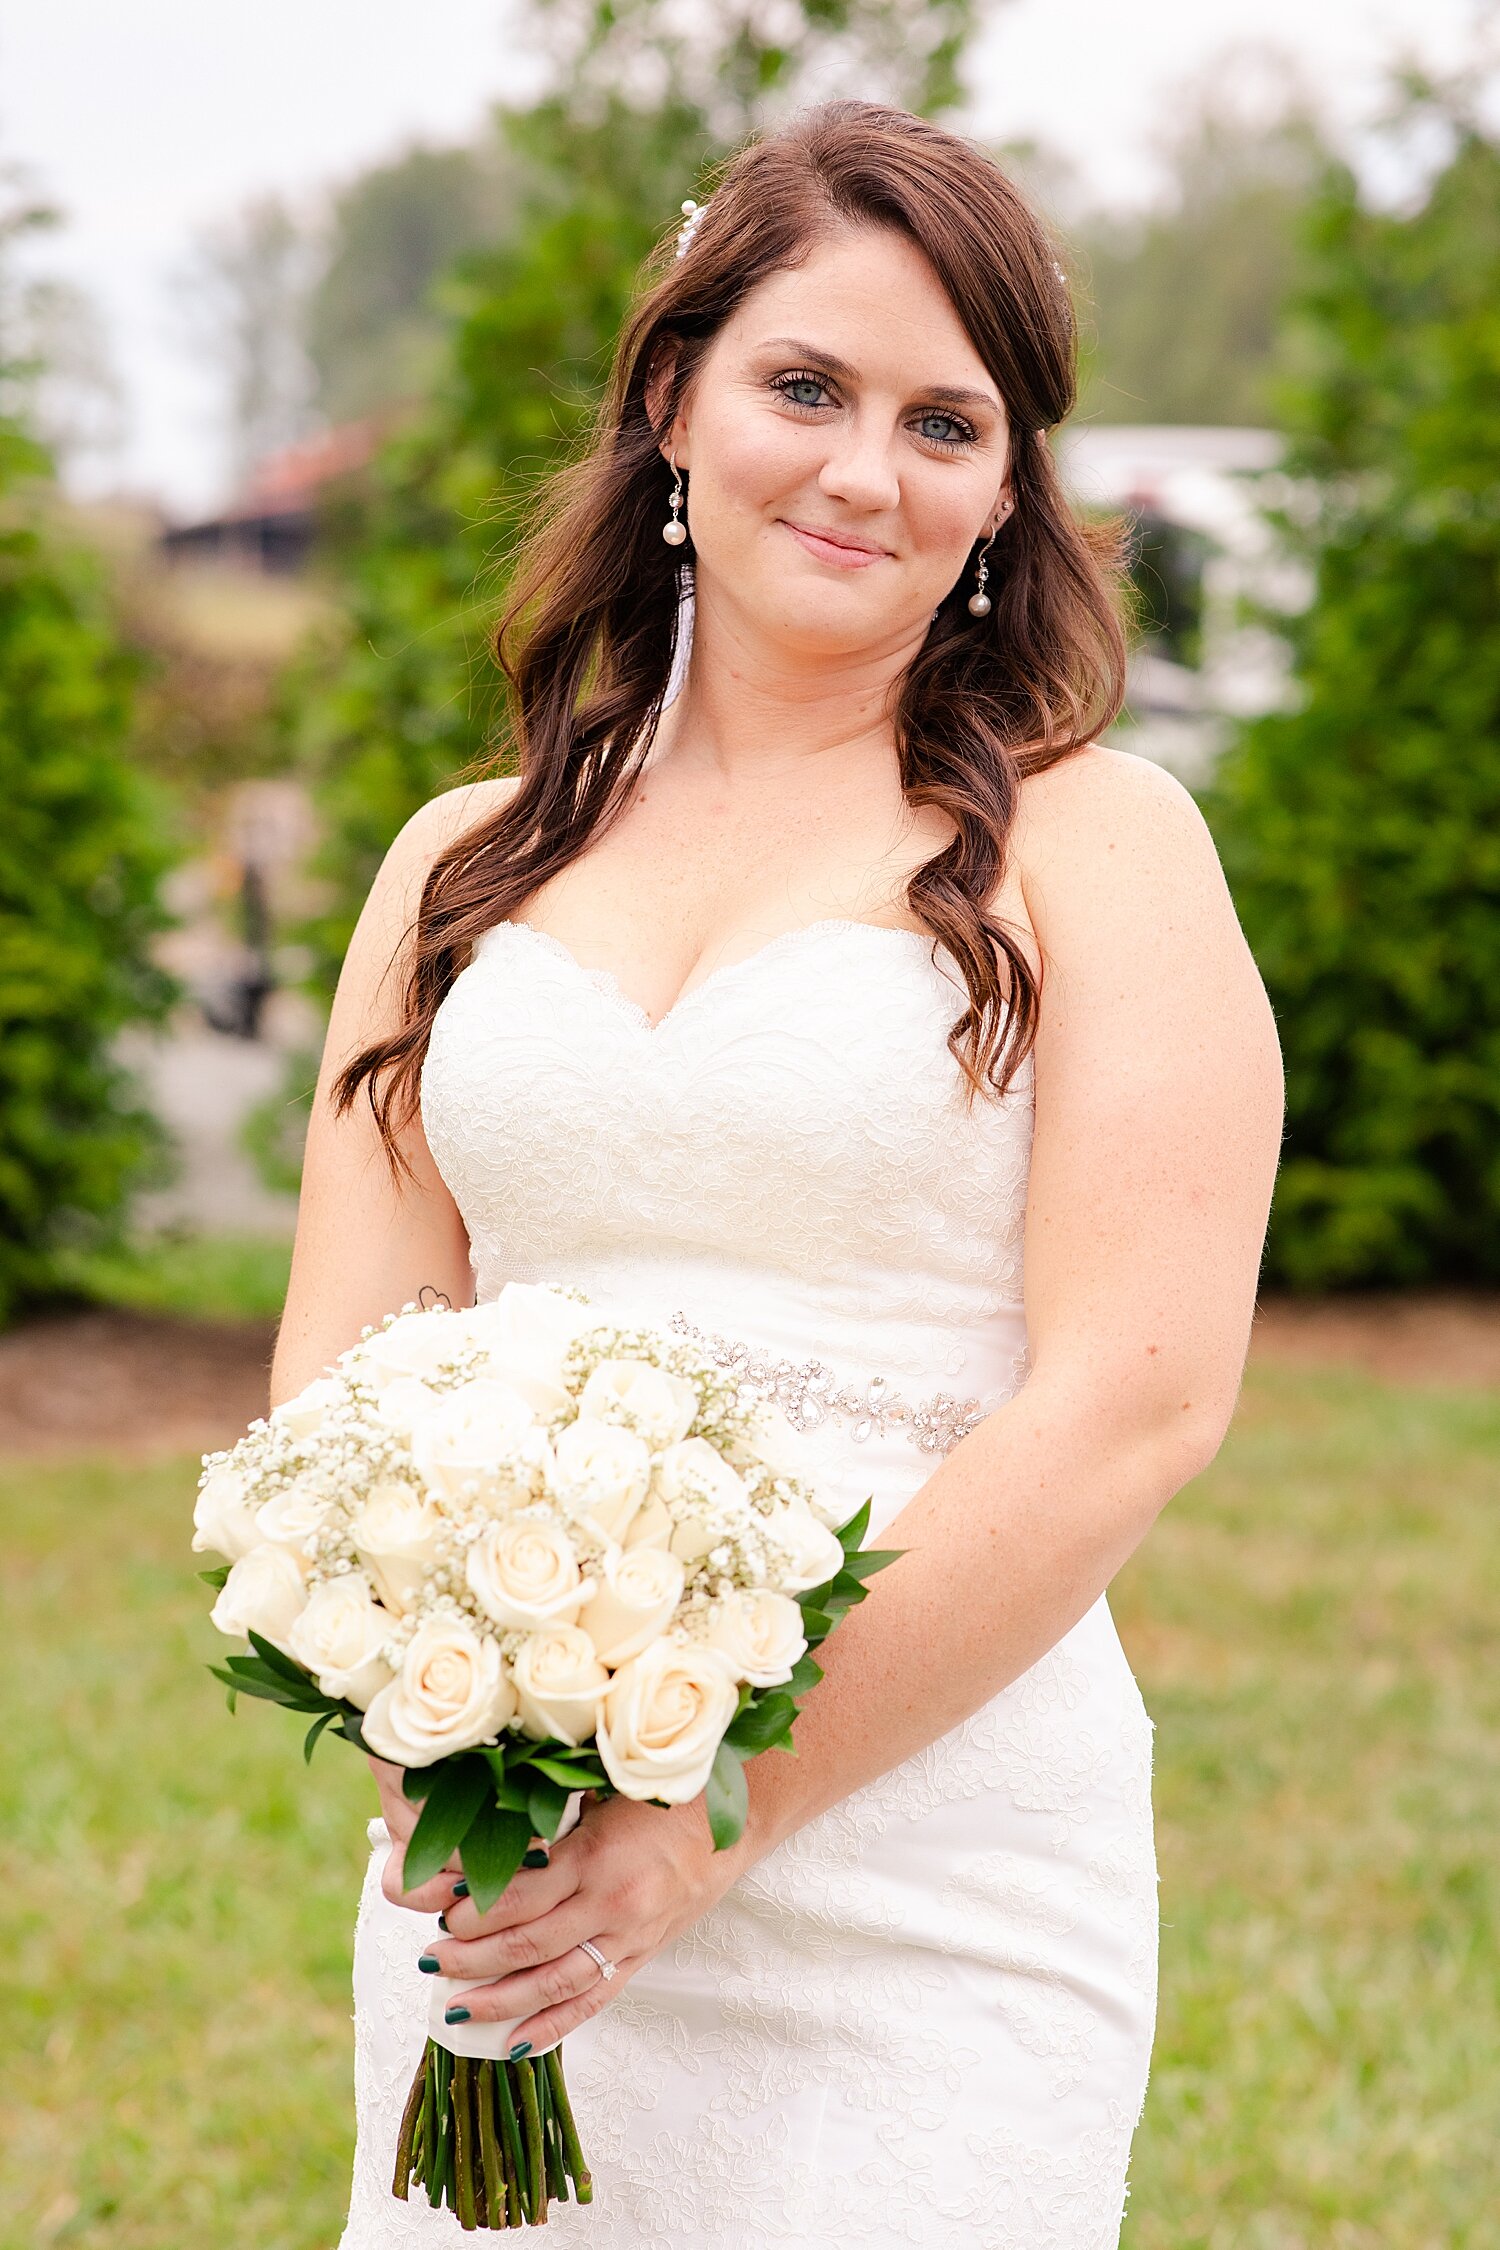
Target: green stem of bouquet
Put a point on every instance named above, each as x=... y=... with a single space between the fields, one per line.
x=495 y=2142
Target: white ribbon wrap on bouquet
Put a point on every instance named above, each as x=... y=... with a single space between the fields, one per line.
x=487 y=2041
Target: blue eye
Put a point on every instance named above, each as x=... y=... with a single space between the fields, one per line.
x=949 y=430
x=796 y=389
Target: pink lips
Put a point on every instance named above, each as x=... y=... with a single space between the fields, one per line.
x=828 y=547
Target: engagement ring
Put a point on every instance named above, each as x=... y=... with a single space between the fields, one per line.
x=607 y=1968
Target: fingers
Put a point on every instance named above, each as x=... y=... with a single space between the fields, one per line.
x=571 y=1978
x=551 y=2024
x=431 y=1897
x=530 y=1892
x=524 y=1945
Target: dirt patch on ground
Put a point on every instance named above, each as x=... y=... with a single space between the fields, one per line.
x=138 y=1384
x=131 y=1383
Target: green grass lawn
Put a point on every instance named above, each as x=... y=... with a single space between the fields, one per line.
x=1314 y=1630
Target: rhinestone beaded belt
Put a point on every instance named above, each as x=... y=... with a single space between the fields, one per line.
x=809 y=1394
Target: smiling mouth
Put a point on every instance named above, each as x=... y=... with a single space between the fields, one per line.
x=833 y=547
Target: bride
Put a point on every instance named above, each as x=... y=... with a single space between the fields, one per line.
x=822 y=982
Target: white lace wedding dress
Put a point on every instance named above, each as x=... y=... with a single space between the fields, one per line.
x=926 y=2018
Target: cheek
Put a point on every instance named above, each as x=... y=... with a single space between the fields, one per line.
x=751 y=465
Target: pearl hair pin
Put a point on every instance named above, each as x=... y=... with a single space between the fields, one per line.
x=692 y=219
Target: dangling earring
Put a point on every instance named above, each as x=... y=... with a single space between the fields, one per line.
x=673 y=531
x=979 y=601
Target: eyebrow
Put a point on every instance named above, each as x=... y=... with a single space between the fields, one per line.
x=951 y=394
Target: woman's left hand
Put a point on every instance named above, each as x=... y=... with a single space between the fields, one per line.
x=630 y=1877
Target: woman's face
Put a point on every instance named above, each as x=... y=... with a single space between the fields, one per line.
x=844 y=447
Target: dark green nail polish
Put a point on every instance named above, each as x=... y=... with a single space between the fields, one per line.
x=460 y=1888
x=455 y=2015
x=429 y=1965
x=535 y=1859
x=443 y=1924
x=522 y=2047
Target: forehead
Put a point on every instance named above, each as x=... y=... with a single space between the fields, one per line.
x=866 y=295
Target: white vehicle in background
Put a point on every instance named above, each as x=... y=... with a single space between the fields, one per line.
x=1205 y=560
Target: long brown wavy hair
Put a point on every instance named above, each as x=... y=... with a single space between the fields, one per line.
x=587 y=640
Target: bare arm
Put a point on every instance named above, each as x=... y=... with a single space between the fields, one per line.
x=367 y=1243
x=1158 y=1090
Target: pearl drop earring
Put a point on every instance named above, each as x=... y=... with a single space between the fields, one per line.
x=979 y=601
x=673 y=531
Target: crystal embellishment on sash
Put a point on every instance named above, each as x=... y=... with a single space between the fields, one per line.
x=809 y=1394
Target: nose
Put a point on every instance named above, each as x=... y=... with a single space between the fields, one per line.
x=860 y=468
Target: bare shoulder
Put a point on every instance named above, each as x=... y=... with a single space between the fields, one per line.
x=444 y=818
x=1100 y=803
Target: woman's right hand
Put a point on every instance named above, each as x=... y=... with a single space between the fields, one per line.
x=400 y=1815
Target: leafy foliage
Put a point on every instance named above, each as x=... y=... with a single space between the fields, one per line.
x=79 y=866
x=1361 y=832
x=403 y=702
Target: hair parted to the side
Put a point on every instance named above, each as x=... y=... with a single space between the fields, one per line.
x=587 y=639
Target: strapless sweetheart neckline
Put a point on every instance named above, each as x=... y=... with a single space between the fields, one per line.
x=607 y=982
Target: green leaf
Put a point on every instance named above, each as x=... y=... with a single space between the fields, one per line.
x=761 y=1724
x=459 y=1787
x=509 y=1792
x=547 y=1801
x=313 y=1732
x=580 y=1776
x=870 y=1559
x=277 y=1658
x=270 y=1691
x=215 y=1578
x=851 y=1533
x=806 y=1673
x=727 y=1798
x=492 y=1849
x=817 y=1623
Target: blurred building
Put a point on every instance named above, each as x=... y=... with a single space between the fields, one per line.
x=271 y=525
x=1204 y=561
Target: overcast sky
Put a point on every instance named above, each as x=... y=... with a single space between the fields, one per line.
x=148 y=119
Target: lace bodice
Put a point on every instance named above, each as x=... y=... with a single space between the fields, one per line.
x=788 y=1146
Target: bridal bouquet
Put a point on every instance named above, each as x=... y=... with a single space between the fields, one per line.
x=524 y=1552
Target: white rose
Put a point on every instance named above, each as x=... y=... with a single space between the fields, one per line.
x=339 y=1636
x=638 y=1593
x=559 y=1680
x=263 y=1594
x=290 y=1518
x=523 y=1572
x=759 y=1634
x=223 y=1517
x=775 y=1441
x=812 y=1552
x=525 y=1332
x=662 y=1720
x=451 y=1691
x=396 y=1534
x=704 y=1496
x=601 y=1474
x=486 y=1432
x=416 y=1343
x=659 y=1407
x=651 y=1526
x=308 y=1411
x=405 y=1402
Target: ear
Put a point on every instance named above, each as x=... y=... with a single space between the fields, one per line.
x=658 y=392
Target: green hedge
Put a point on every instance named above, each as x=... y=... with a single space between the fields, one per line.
x=81 y=856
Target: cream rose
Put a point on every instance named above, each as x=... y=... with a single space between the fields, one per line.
x=559 y=1680
x=416 y=1343
x=523 y=1572
x=396 y=1534
x=811 y=1551
x=704 y=1496
x=774 y=1441
x=452 y=1691
x=601 y=1475
x=662 y=1719
x=308 y=1411
x=264 y=1594
x=223 y=1516
x=638 y=1592
x=759 y=1634
x=339 y=1636
x=290 y=1518
x=659 y=1407
x=525 y=1332
x=406 y=1401
x=484 y=1432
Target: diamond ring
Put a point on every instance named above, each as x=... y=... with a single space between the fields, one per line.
x=606 y=1968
